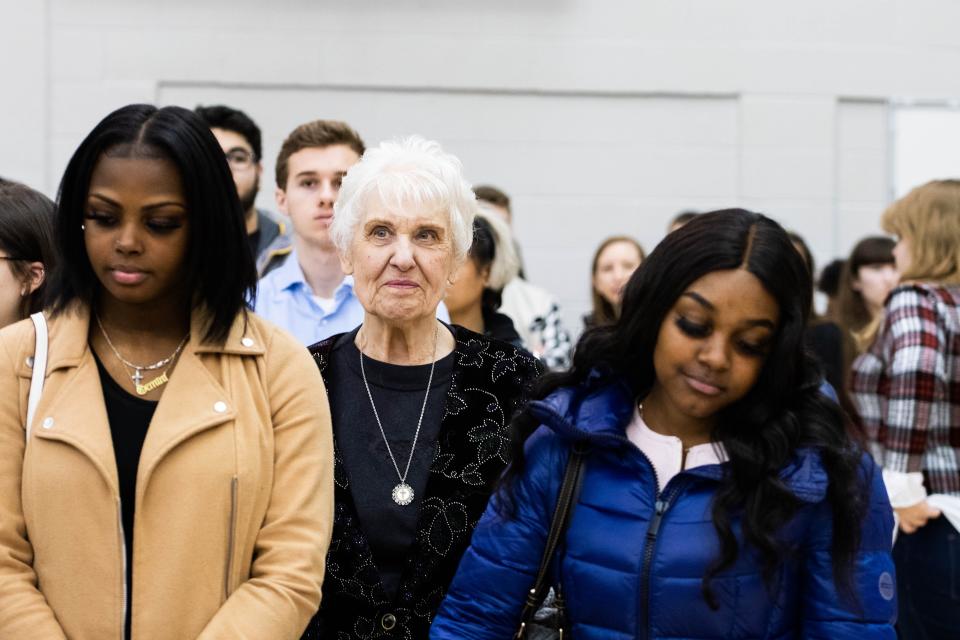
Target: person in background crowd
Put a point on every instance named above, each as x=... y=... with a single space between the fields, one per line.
x=239 y=137
x=614 y=262
x=496 y=200
x=681 y=219
x=824 y=337
x=534 y=310
x=804 y=250
x=720 y=496
x=178 y=479
x=907 y=390
x=420 y=409
x=26 y=250
x=829 y=285
x=474 y=296
x=869 y=275
x=308 y=295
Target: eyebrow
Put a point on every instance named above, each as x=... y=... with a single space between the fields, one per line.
x=756 y=322
x=311 y=172
x=149 y=207
x=700 y=299
x=417 y=224
x=239 y=148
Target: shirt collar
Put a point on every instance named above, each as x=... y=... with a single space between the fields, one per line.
x=345 y=289
x=289 y=276
x=656 y=443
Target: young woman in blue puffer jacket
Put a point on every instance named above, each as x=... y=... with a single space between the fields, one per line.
x=722 y=496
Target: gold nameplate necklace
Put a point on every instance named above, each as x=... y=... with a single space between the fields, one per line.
x=138 y=369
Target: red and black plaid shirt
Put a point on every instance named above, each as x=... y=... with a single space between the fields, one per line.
x=907 y=385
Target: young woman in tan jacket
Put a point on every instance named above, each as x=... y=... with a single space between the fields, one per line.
x=177 y=479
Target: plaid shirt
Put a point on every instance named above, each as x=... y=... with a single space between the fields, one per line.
x=907 y=386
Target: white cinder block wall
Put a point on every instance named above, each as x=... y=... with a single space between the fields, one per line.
x=598 y=116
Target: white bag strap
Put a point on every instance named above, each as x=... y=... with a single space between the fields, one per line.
x=39 y=368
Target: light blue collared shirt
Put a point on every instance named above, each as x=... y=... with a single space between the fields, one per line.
x=285 y=298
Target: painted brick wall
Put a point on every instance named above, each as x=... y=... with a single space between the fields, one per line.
x=599 y=116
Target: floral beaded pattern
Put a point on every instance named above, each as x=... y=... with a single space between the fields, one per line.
x=487 y=387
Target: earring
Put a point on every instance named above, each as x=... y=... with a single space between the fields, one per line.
x=83 y=227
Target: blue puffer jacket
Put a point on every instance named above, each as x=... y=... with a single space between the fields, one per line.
x=633 y=560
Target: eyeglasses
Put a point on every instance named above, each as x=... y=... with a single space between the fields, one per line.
x=10 y=258
x=240 y=159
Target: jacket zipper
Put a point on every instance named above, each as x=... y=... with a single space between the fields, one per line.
x=123 y=572
x=230 y=538
x=663 y=503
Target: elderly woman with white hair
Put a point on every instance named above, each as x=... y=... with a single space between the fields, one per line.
x=420 y=409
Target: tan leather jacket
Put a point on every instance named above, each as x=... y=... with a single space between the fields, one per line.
x=234 y=493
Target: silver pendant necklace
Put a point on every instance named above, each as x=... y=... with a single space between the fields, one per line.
x=402 y=494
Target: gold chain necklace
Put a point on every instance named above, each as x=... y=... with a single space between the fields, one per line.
x=138 y=369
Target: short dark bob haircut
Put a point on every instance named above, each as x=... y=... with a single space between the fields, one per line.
x=761 y=432
x=26 y=235
x=220 y=268
x=852 y=312
x=483 y=251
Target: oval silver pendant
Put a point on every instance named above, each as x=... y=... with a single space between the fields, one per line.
x=402 y=494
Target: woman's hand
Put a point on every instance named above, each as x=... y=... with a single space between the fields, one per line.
x=913 y=517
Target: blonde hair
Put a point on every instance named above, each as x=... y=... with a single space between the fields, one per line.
x=928 y=219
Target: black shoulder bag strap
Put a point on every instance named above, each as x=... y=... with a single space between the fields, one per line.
x=558 y=526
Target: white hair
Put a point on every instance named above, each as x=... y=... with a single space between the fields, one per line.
x=506 y=261
x=411 y=172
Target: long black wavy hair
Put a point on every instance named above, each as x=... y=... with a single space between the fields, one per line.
x=761 y=432
x=220 y=269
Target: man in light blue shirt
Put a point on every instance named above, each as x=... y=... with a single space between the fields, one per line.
x=285 y=298
x=309 y=295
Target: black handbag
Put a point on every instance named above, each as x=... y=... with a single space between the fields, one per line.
x=539 y=620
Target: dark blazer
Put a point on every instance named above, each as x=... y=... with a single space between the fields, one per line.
x=487 y=387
